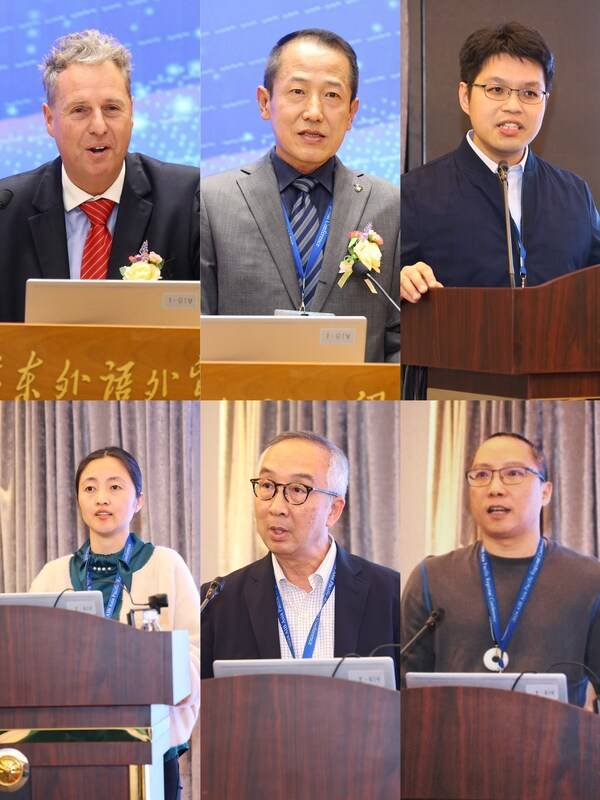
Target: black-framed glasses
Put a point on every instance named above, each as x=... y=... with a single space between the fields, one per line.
x=295 y=493
x=495 y=91
x=510 y=476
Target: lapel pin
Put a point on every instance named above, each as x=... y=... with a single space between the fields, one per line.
x=358 y=187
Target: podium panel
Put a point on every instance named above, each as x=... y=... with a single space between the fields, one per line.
x=486 y=744
x=284 y=736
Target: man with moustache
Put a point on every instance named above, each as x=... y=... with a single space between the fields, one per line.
x=84 y=214
x=273 y=233
x=560 y=618
x=306 y=579
x=453 y=228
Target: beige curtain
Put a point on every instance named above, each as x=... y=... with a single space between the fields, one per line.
x=368 y=432
x=569 y=433
x=42 y=443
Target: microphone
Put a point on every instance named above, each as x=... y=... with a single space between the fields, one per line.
x=214 y=590
x=503 y=177
x=364 y=272
x=5 y=197
x=431 y=623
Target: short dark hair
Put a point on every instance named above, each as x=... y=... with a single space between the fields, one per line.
x=536 y=449
x=327 y=39
x=512 y=39
x=128 y=461
x=337 y=474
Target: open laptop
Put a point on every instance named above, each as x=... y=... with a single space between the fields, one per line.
x=64 y=302
x=296 y=339
x=552 y=685
x=87 y=602
x=375 y=670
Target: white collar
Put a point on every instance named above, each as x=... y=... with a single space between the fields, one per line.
x=488 y=161
x=324 y=569
x=73 y=196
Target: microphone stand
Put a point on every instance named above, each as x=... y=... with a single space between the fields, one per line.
x=503 y=176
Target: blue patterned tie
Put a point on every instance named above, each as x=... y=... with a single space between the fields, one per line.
x=305 y=224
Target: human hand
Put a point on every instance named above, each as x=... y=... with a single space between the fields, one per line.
x=415 y=280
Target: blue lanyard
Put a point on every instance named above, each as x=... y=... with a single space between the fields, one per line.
x=489 y=590
x=118 y=583
x=318 y=245
x=309 y=647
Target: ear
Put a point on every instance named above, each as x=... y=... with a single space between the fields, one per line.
x=353 y=109
x=546 y=492
x=335 y=512
x=463 y=97
x=140 y=502
x=48 y=118
x=264 y=102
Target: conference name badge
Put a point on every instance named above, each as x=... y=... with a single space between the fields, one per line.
x=364 y=246
x=145 y=266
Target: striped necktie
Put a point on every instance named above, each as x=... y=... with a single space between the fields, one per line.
x=96 y=251
x=305 y=224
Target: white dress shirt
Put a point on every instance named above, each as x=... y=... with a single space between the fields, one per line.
x=76 y=221
x=302 y=607
x=515 y=179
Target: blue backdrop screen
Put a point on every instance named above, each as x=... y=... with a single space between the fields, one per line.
x=163 y=36
x=235 y=41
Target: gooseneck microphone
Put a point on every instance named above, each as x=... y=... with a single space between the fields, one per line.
x=5 y=197
x=215 y=588
x=503 y=177
x=431 y=623
x=364 y=272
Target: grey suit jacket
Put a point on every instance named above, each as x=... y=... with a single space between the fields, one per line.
x=246 y=263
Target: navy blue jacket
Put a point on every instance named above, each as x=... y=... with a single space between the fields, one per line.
x=453 y=219
x=242 y=621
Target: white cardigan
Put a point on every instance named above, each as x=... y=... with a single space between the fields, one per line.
x=165 y=572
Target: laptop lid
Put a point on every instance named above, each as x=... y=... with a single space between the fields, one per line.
x=552 y=685
x=296 y=339
x=87 y=602
x=376 y=670
x=65 y=302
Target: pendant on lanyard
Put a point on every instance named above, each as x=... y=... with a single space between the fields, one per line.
x=311 y=640
x=118 y=582
x=496 y=658
x=315 y=251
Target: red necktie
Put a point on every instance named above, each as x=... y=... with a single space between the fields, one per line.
x=96 y=251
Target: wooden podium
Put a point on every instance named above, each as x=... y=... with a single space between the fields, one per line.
x=539 y=342
x=486 y=744
x=86 y=700
x=278 y=737
x=237 y=380
x=98 y=362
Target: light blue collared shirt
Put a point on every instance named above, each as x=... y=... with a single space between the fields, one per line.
x=76 y=221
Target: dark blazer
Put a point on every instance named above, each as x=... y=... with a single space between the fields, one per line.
x=159 y=203
x=246 y=262
x=242 y=621
x=453 y=219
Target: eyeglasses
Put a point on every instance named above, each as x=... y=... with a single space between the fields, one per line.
x=294 y=493
x=508 y=475
x=497 y=92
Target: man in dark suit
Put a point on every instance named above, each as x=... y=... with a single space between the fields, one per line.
x=248 y=262
x=453 y=228
x=306 y=579
x=84 y=214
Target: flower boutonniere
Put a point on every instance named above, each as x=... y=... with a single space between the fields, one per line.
x=364 y=247
x=146 y=266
